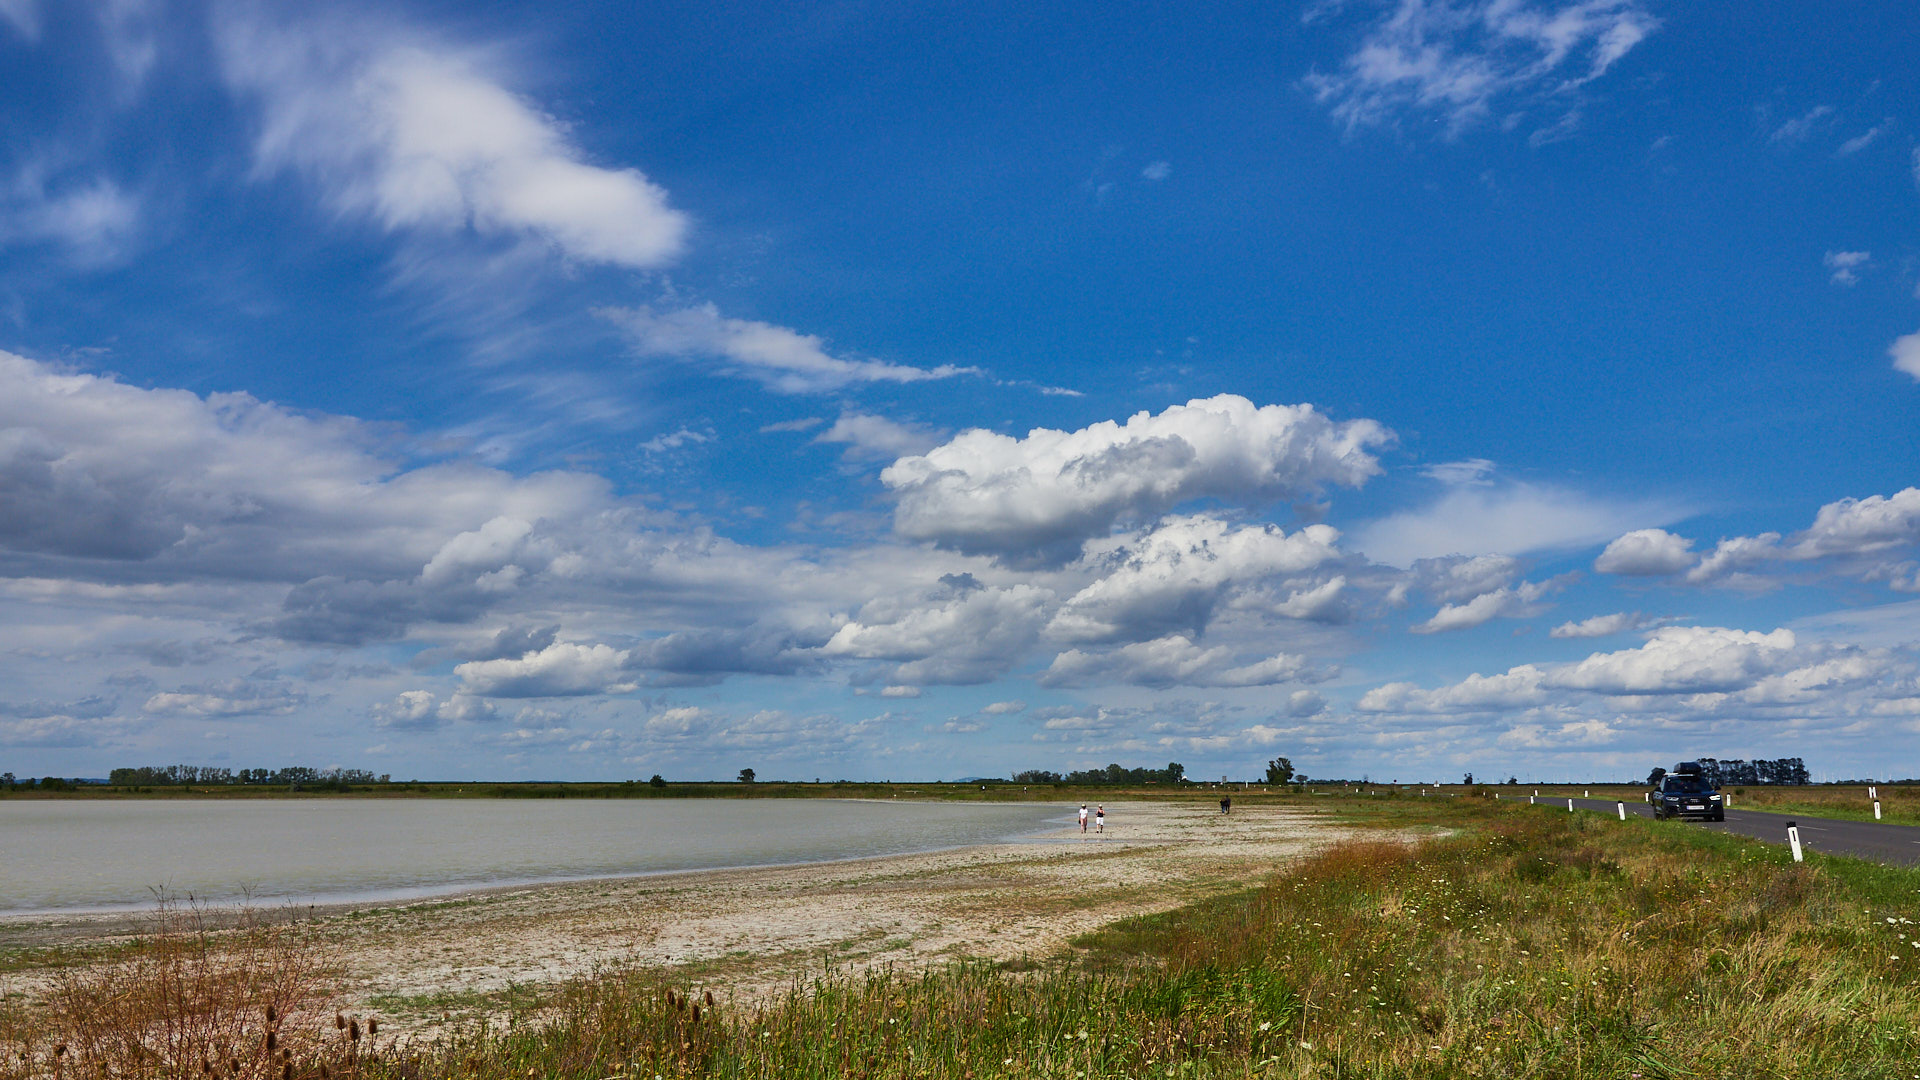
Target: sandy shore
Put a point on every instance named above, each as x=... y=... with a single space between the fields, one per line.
x=745 y=932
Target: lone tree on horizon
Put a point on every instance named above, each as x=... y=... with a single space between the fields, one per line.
x=746 y=776
x=1279 y=771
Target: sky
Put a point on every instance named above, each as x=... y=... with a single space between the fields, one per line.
x=588 y=390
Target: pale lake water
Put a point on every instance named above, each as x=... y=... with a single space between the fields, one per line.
x=57 y=855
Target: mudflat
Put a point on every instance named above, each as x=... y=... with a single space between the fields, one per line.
x=744 y=933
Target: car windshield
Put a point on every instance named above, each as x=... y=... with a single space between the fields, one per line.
x=1688 y=785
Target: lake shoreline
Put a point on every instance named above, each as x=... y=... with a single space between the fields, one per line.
x=748 y=932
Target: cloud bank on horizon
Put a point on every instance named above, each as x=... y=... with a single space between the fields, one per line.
x=463 y=401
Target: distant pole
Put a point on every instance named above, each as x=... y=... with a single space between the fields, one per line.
x=1622 y=807
x=1793 y=838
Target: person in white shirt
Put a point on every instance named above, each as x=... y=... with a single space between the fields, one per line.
x=1083 y=817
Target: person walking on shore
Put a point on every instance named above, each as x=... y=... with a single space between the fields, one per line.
x=1100 y=819
x=1083 y=817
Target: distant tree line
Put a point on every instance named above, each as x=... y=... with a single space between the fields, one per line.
x=1174 y=773
x=210 y=776
x=1755 y=773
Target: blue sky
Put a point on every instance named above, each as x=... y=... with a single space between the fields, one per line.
x=915 y=391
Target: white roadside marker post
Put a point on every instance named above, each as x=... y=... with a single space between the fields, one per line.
x=1622 y=806
x=1531 y=798
x=1793 y=838
x=1569 y=806
x=1876 y=809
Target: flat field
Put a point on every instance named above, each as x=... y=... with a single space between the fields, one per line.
x=1398 y=937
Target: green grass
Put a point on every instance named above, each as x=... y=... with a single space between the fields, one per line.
x=1517 y=944
x=1509 y=942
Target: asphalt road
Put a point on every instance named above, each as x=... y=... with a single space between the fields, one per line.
x=1865 y=839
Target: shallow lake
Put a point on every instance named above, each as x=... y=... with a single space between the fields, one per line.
x=106 y=855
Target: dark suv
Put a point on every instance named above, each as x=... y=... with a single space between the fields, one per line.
x=1684 y=792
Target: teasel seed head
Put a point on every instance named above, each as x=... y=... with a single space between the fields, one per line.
x=373 y=1027
x=353 y=1030
x=709 y=999
x=339 y=1021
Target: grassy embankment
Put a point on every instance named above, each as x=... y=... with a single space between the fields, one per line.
x=1517 y=942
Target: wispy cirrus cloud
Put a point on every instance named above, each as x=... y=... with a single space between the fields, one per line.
x=785 y=360
x=1461 y=63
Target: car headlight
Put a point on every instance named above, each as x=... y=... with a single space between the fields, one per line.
x=1715 y=798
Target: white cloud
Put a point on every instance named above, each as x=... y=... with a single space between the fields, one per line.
x=1518 y=687
x=1508 y=518
x=1846 y=266
x=1173 y=661
x=1038 y=499
x=1176 y=574
x=561 y=669
x=1647 y=552
x=419 y=135
x=1459 y=62
x=1684 y=659
x=1505 y=603
x=963 y=636
x=93 y=221
x=1462 y=577
x=1600 y=625
x=1850 y=527
x=1795 y=131
x=878 y=437
x=900 y=692
x=418 y=710
x=785 y=360
x=24 y=15
x=685 y=436
x=234 y=697
x=229 y=486
x=1157 y=170
x=1905 y=352
x=1003 y=708
x=1861 y=141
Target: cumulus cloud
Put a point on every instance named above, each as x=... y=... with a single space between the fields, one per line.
x=1600 y=625
x=229 y=486
x=1455 y=578
x=1038 y=499
x=421 y=135
x=1684 y=659
x=1519 y=602
x=1846 y=266
x=1176 y=574
x=1459 y=62
x=234 y=697
x=1905 y=352
x=871 y=436
x=959 y=636
x=1864 y=537
x=563 y=669
x=782 y=359
x=1002 y=708
x=1519 y=687
x=1174 y=661
x=1647 y=552
x=419 y=710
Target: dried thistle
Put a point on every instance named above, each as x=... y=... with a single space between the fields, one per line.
x=373 y=1027
x=273 y=1017
x=340 y=1021
x=709 y=999
x=353 y=1030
